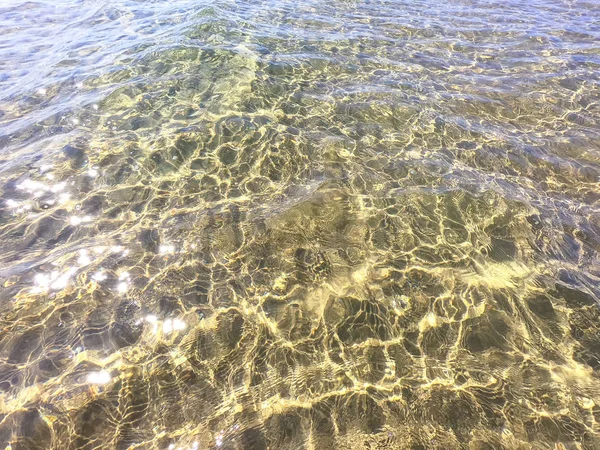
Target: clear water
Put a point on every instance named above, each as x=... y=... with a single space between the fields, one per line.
x=300 y=224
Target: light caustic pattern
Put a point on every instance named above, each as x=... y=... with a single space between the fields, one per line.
x=300 y=225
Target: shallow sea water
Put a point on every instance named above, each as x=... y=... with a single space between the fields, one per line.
x=299 y=224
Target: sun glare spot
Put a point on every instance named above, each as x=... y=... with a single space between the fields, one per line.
x=171 y=325
x=101 y=377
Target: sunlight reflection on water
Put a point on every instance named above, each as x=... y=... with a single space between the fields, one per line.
x=361 y=224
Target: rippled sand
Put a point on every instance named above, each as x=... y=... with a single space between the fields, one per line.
x=300 y=225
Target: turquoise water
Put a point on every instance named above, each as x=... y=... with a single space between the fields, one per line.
x=299 y=225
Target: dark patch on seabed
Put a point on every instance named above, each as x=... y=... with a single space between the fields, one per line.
x=300 y=225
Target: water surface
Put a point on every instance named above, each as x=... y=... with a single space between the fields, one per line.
x=300 y=224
